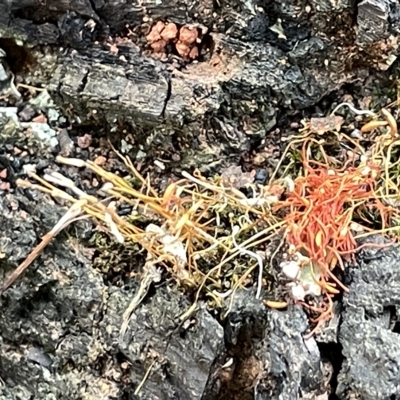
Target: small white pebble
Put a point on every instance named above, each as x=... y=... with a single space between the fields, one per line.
x=291 y=269
x=356 y=134
x=29 y=168
x=298 y=292
x=313 y=289
x=159 y=164
x=107 y=186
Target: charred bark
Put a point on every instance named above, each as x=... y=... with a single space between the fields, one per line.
x=210 y=97
x=254 y=57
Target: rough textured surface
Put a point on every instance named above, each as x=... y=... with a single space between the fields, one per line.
x=60 y=327
x=60 y=323
x=269 y=357
x=295 y=369
x=183 y=356
x=259 y=61
x=57 y=303
x=369 y=332
x=254 y=56
x=60 y=334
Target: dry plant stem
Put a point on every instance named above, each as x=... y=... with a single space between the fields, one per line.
x=146 y=375
x=193 y=307
x=354 y=143
x=70 y=216
x=283 y=158
x=116 y=192
x=386 y=165
x=135 y=172
x=217 y=189
x=321 y=210
x=249 y=243
x=236 y=286
x=94 y=208
x=391 y=121
x=145 y=284
x=153 y=204
x=241 y=250
x=92 y=205
x=272 y=228
x=187 y=210
x=23 y=85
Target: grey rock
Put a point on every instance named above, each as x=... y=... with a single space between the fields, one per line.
x=370 y=346
x=373 y=20
x=7 y=86
x=294 y=364
x=12 y=130
x=42 y=100
x=9 y=112
x=271 y=356
x=66 y=143
x=37 y=355
x=43 y=132
x=330 y=331
x=58 y=298
x=188 y=355
x=27 y=113
x=332 y=6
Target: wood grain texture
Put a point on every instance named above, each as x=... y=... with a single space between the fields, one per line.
x=256 y=58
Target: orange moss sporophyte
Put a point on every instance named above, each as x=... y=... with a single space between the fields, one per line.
x=320 y=209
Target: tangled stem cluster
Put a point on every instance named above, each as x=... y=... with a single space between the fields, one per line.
x=327 y=206
x=207 y=233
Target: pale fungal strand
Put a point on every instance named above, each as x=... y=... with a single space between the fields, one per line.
x=354 y=110
x=58 y=179
x=73 y=162
x=61 y=180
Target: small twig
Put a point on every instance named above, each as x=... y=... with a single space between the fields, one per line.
x=23 y=85
x=70 y=216
x=146 y=375
x=127 y=161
